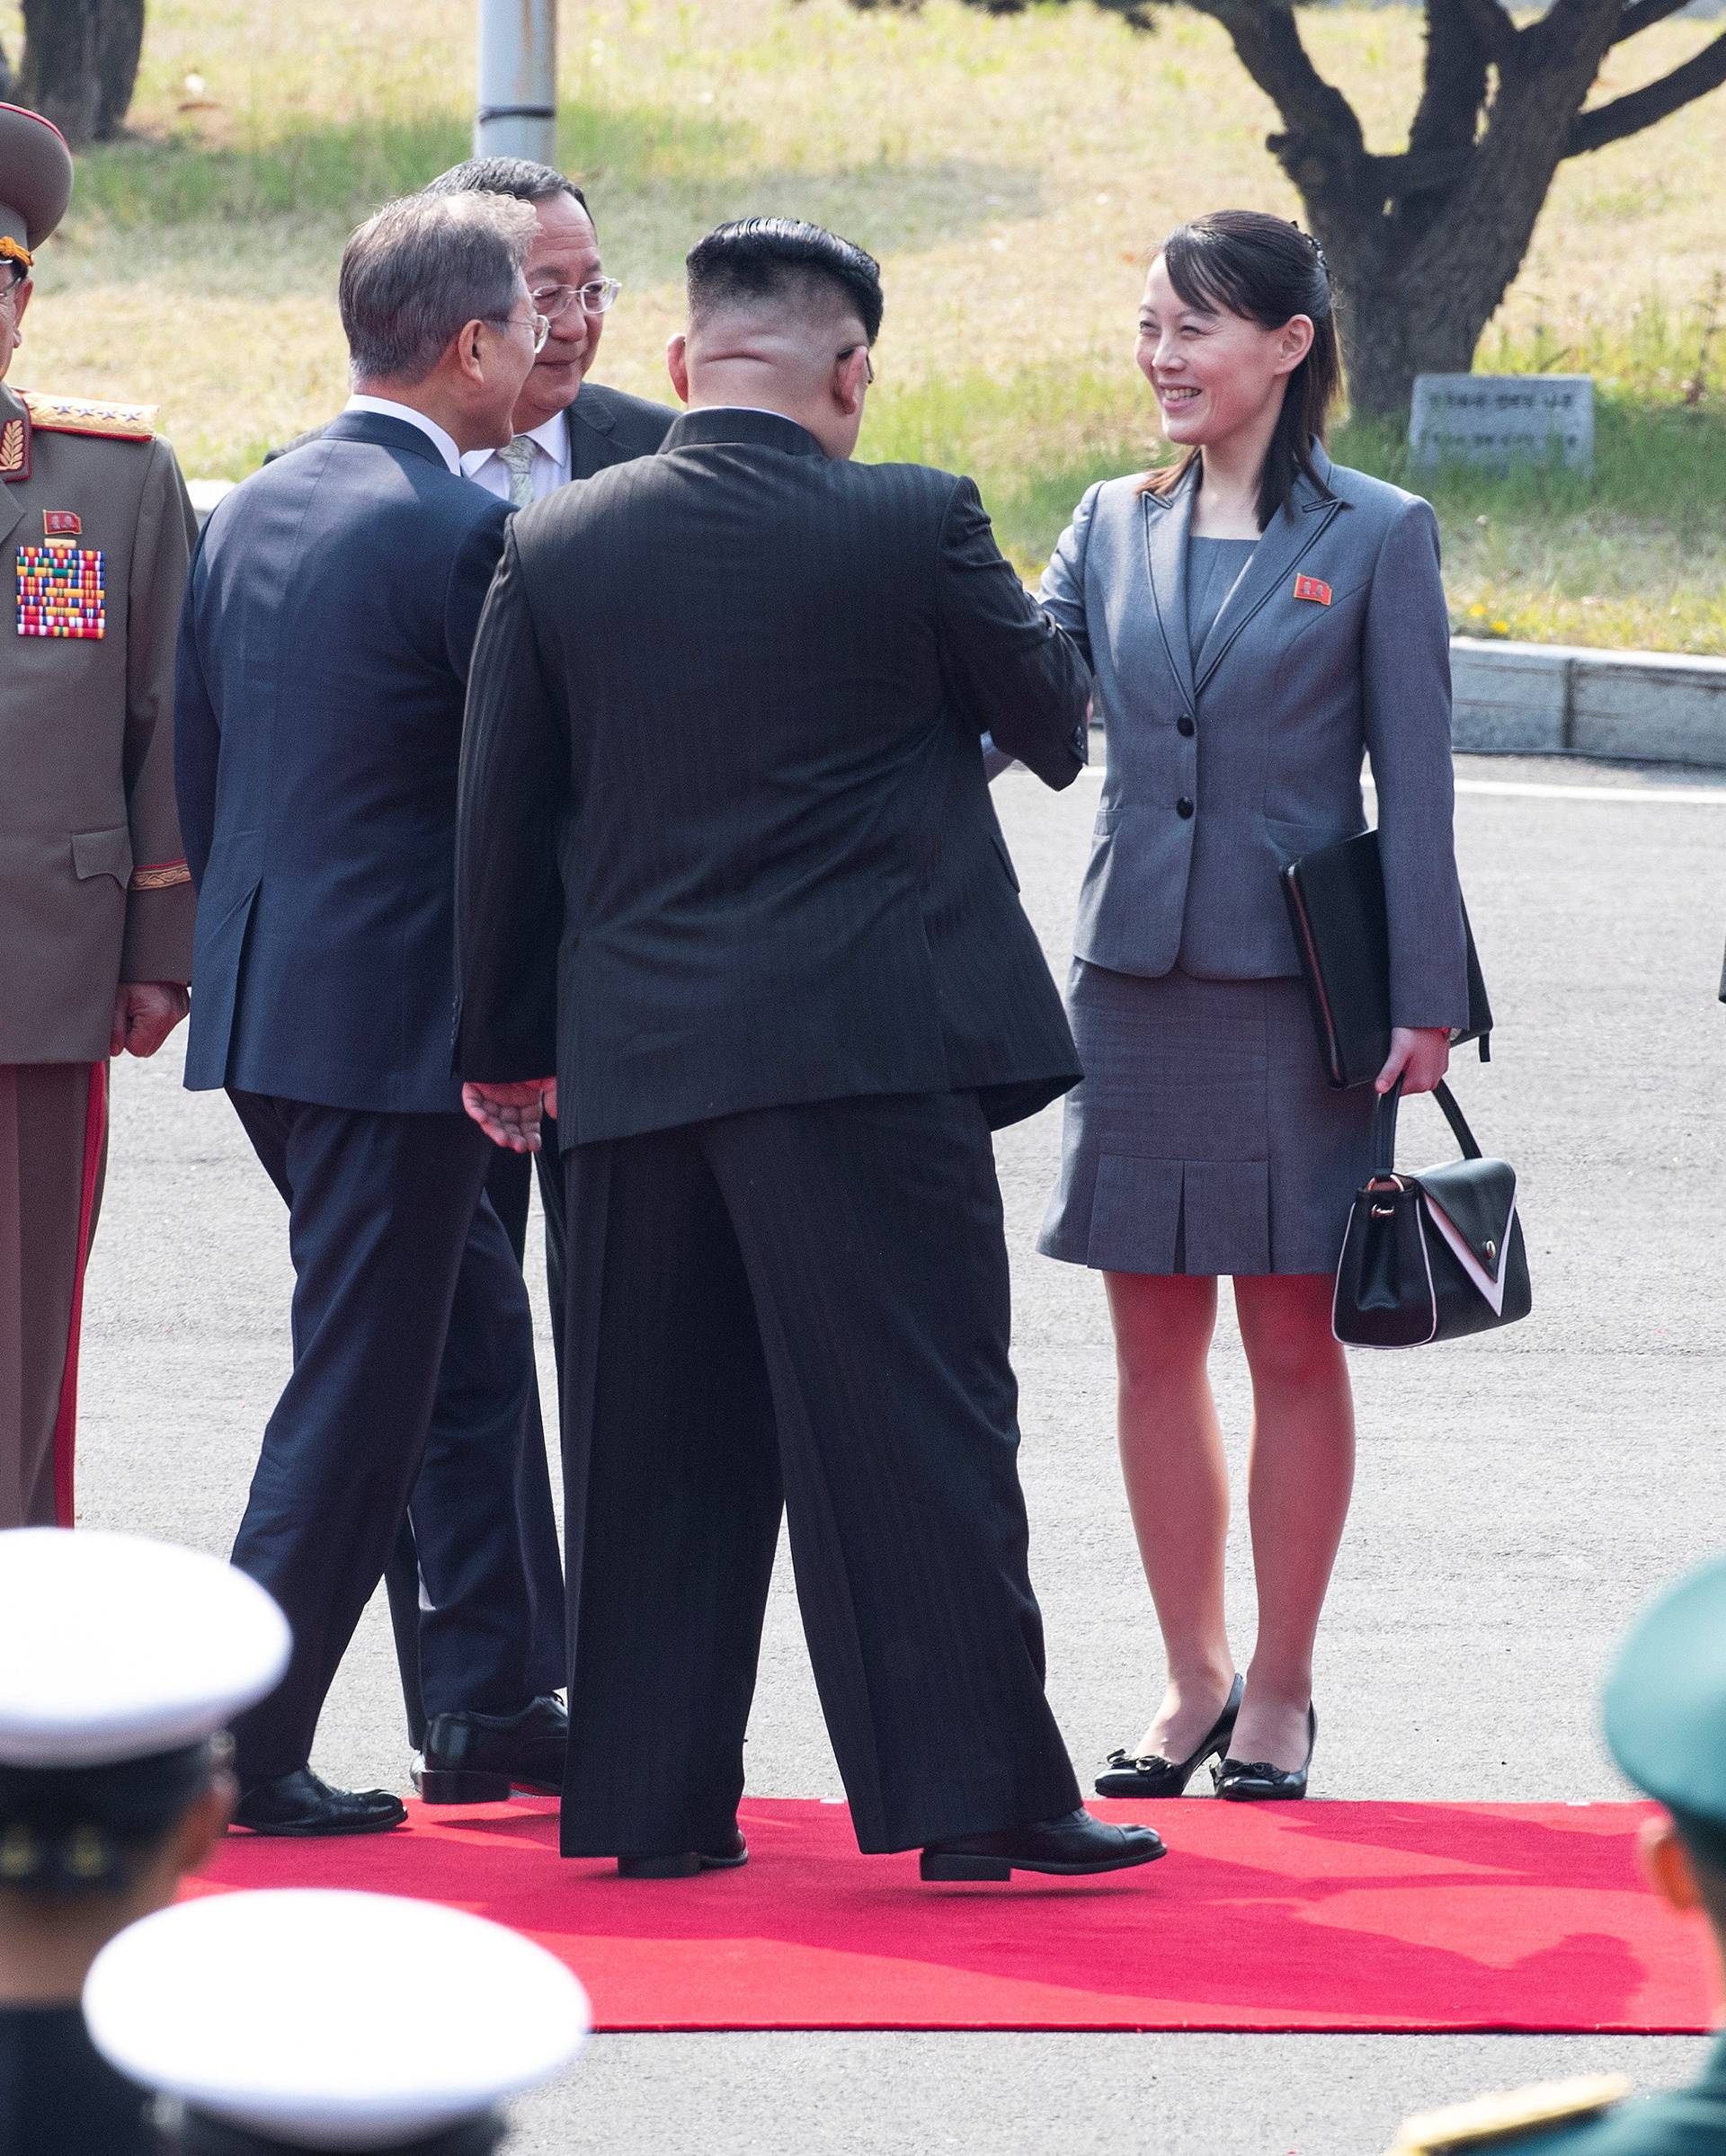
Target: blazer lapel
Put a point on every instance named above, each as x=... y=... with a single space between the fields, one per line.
x=589 y=421
x=1297 y=524
x=1166 y=517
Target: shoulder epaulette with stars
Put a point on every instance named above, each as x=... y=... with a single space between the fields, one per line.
x=89 y=415
x=1499 y=2122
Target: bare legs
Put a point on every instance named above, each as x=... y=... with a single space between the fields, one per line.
x=1177 y=1490
x=1300 y=1477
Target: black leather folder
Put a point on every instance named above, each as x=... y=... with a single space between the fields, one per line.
x=1336 y=902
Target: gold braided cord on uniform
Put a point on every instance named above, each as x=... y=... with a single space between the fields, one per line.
x=10 y=252
x=161 y=875
x=90 y=415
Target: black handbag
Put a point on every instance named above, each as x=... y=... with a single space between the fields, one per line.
x=1432 y=1257
x=1336 y=905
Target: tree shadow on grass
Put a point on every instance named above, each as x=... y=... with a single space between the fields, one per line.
x=661 y=175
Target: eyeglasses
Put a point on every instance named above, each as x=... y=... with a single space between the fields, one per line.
x=596 y=298
x=537 y=325
x=869 y=361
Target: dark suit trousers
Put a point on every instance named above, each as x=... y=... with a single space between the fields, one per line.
x=413 y=1374
x=806 y=1307
x=509 y=1177
x=508 y=1182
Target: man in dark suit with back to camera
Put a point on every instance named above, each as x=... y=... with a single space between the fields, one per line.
x=329 y=620
x=727 y=861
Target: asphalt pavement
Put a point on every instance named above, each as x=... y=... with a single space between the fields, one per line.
x=1518 y=1497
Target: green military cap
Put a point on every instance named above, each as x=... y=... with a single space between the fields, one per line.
x=35 y=181
x=1665 y=1704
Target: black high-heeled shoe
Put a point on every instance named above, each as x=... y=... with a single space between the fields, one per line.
x=1154 y=1777
x=1258 y=1781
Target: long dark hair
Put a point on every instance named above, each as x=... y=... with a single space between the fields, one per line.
x=1241 y=261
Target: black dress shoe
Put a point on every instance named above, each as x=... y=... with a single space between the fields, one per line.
x=478 y=1759
x=1257 y=1781
x=1152 y=1777
x=1070 y=1847
x=301 y=1804
x=684 y=1864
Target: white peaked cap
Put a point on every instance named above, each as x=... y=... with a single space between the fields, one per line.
x=112 y=1647
x=332 y=2021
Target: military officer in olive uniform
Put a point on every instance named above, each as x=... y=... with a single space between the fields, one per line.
x=1665 y=1727
x=95 y=906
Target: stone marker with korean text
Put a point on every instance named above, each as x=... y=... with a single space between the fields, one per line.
x=1497 y=420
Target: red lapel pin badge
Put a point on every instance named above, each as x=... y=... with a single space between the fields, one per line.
x=61 y=524
x=1313 y=587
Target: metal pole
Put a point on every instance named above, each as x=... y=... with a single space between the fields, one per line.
x=518 y=79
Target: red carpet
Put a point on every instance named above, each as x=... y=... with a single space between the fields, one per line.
x=1304 y=1916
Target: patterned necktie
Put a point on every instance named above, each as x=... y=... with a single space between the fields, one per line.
x=519 y=457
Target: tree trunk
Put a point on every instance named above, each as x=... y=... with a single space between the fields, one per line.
x=1395 y=327
x=120 y=45
x=1425 y=245
x=80 y=63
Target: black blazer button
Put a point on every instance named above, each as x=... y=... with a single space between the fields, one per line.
x=1183 y=807
x=1183 y=724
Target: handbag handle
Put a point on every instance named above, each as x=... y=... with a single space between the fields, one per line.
x=1384 y=1126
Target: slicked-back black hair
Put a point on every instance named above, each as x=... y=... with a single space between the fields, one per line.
x=756 y=257
x=1243 y=262
x=517 y=176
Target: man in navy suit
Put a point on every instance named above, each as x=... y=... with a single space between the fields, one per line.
x=323 y=663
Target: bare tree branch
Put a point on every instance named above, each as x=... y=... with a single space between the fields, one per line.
x=1492 y=26
x=1642 y=14
x=1639 y=109
x=1268 y=39
x=1452 y=93
x=1567 y=28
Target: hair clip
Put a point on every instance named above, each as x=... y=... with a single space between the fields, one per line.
x=1312 y=242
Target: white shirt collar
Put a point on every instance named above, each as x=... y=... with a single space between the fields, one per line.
x=387 y=408
x=551 y=437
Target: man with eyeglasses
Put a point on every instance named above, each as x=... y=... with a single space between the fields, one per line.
x=567 y=426
x=329 y=614
x=95 y=906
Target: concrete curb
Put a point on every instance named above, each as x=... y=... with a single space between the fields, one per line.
x=1538 y=700
x=1557 y=699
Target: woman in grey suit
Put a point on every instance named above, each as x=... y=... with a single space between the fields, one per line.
x=1258 y=620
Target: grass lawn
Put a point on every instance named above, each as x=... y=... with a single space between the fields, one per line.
x=1010 y=174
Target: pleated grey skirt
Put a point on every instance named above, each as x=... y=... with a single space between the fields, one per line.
x=1203 y=1139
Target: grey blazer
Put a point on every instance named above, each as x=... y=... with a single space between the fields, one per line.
x=1226 y=763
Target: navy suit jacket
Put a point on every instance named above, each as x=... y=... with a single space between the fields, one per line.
x=329 y=620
